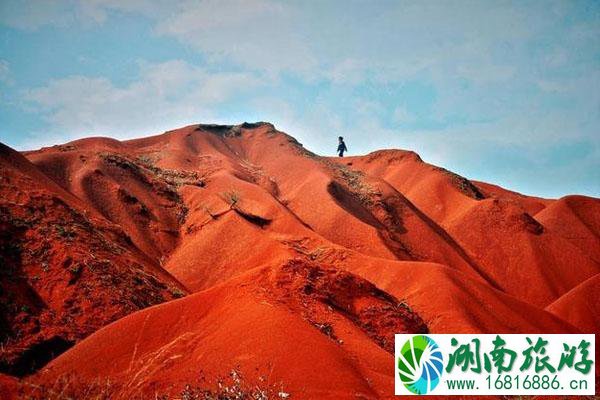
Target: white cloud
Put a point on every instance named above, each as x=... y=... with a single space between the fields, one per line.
x=5 y=72
x=348 y=71
x=486 y=72
x=402 y=115
x=551 y=86
x=259 y=34
x=166 y=95
x=557 y=57
x=36 y=14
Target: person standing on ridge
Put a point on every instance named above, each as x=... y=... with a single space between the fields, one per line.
x=341 y=147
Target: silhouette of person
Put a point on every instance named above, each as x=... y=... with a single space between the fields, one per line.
x=341 y=147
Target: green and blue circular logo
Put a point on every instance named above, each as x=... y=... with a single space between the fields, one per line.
x=420 y=364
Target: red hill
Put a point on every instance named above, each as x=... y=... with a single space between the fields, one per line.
x=300 y=268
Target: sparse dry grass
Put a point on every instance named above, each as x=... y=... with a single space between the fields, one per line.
x=232 y=197
x=231 y=387
x=355 y=181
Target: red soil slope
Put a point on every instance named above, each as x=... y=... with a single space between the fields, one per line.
x=294 y=321
x=302 y=267
x=65 y=271
x=514 y=239
x=580 y=306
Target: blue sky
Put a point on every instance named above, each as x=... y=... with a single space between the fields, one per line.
x=505 y=92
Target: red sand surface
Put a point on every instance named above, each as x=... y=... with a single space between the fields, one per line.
x=296 y=269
